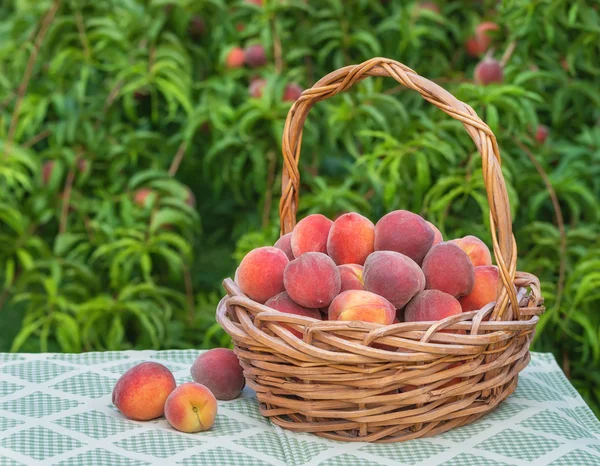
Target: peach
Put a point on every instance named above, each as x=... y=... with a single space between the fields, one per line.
x=351 y=239
x=235 y=58
x=260 y=274
x=404 y=232
x=447 y=268
x=488 y=71
x=431 y=305
x=394 y=276
x=351 y=276
x=255 y=56
x=219 y=370
x=485 y=288
x=476 y=249
x=141 y=195
x=141 y=392
x=283 y=303
x=285 y=244
x=437 y=234
x=256 y=87
x=479 y=43
x=312 y=280
x=310 y=235
x=191 y=407
x=292 y=92
x=362 y=305
x=541 y=133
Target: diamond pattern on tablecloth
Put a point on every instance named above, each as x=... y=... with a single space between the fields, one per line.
x=8 y=423
x=120 y=369
x=6 y=357
x=411 y=452
x=91 y=358
x=40 y=443
x=577 y=458
x=531 y=390
x=4 y=461
x=460 y=434
x=553 y=423
x=299 y=449
x=466 y=459
x=185 y=357
x=520 y=445
x=558 y=382
x=267 y=443
x=225 y=426
x=595 y=447
x=222 y=456
x=87 y=384
x=36 y=371
x=161 y=444
x=504 y=411
x=38 y=404
x=584 y=416
x=8 y=388
x=100 y=457
x=95 y=424
x=248 y=407
x=347 y=460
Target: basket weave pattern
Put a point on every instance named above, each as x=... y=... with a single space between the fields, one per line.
x=337 y=382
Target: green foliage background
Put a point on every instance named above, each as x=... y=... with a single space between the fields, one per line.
x=120 y=91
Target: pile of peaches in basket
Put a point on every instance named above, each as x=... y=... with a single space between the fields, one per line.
x=400 y=270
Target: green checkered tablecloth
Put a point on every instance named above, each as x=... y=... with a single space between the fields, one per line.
x=56 y=409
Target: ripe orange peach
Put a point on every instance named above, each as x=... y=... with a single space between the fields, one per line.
x=394 y=276
x=404 y=232
x=141 y=195
x=485 y=288
x=362 y=305
x=285 y=244
x=476 y=249
x=191 y=407
x=447 y=268
x=283 y=303
x=260 y=274
x=351 y=239
x=235 y=58
x=431 y=305
x=310 y=235
x=351 y=276
x=141 y=392
x=312 y=280
x=219 y=370
x=437 y=234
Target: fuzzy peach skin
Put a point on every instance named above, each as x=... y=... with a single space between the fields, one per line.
x=283 y=303
x=484 y=290
x=447 y=268
x=191 y=407
x=285 y=244
x=362 y=305
x=394 y=276
x=351 y=239
x=404 y=232
x=437 y=234
x=476 y=249
x=310 y=235
x=351 y=276
x=260 y=274
x=312 y=280
x=219 y=370
x=141 y=392
x=431 y=305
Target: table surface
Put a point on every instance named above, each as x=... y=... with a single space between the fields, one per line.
x=56 y=409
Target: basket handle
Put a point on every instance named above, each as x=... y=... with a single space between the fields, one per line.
x=505 y=249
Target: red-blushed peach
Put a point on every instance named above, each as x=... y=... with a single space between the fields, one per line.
x=394 y=276
x=404 y=232
x=437 y=234
x=312 y=280
x=141 y=392
x=476 y=249
x=431 y=305
x=362 y=305
x=219 y=370
x=283 y=303
x=351 y=276
x=235 y=58
x=285 y=244
x=260 y=274
x=141 y=195
x=351 y=239
x=485 y=288
x=310 y=235
x=191 y=407
x=447 y=268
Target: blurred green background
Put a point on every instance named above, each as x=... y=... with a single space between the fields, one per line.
x=140 y=146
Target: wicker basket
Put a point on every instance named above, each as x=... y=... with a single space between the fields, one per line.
x=333 y=382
